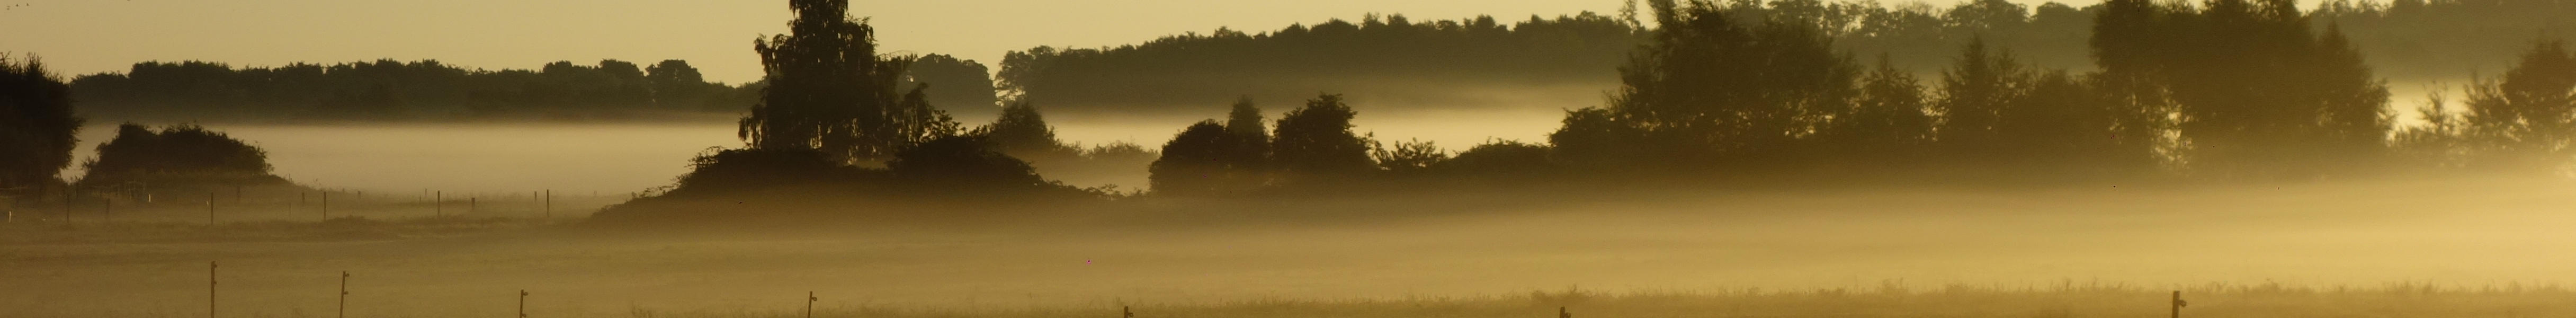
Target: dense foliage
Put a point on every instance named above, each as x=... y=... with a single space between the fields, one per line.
x=38 y=128
x=175 y=159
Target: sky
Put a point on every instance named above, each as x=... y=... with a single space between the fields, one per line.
x=91 y=36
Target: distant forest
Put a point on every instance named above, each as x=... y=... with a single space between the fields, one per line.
x=430 y=90
x=1395 y=58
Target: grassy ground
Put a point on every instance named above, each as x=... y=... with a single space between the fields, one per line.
x=2281 y=251
x=2211 y=300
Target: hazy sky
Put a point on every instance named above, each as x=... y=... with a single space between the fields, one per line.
x=89 y=36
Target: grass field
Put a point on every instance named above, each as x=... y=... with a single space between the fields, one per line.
x=2394 y=249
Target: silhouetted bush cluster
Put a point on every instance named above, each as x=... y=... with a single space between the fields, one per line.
x=1312 y=148
x=176 y=161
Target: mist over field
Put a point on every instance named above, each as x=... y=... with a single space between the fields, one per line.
x=1790 y=158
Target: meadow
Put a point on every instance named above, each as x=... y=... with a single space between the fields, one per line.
x=2392 y=248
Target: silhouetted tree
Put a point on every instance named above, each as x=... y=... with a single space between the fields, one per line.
x=1716 y=93
x=1974 y=93
x=2526 y=118
x=38 y=128
x=829 y=90
x=2442 y=141
x=962 y=86
x=1205 y=159
x=1890 y=119
x=676 y=85
x=2256 y=93
x=1023 y=133
x=1245 y=121
x=1316 y=141
x=2061 y=123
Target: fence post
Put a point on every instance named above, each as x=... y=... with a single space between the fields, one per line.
x=809 y=304
x=438 y=203
x=2178 y=304
x=326 y=205
x=210 y=283
x=523 y=303
x=344 y=294
x=210 y=209
x=550 y=204
x=1125 y=312
x=1562 y=313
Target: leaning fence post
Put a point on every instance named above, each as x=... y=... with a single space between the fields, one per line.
x=809 y=304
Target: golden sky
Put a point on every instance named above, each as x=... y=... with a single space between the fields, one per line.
x=89 y=36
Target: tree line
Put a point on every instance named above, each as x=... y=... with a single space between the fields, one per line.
x=429 y=89
x=1400 y=58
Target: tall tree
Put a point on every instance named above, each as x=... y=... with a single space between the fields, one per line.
x=1251 y=135
x=1974 y=94
x=37 y=127
x=829 y=90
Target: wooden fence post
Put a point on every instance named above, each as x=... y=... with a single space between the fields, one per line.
x=344 y=294
x=809 y=304
x=2178 y=304
x=210 y=284
x=523 y=303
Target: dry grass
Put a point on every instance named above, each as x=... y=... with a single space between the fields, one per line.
x=2068 y=300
